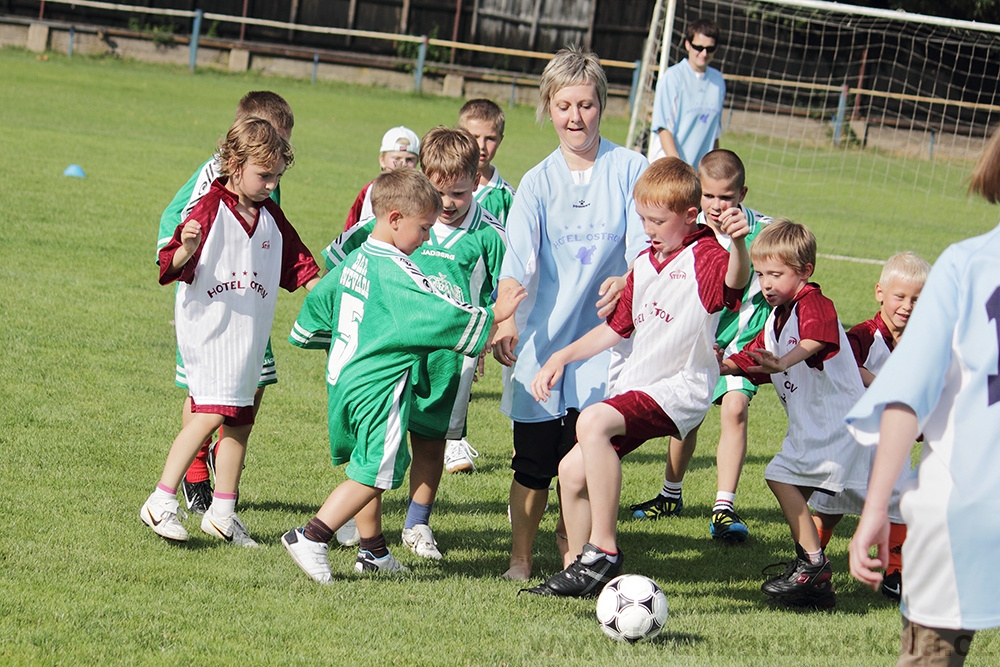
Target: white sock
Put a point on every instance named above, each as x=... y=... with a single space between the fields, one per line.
x=671 y=489
x=724 y=501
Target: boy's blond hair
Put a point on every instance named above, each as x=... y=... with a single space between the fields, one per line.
x=272 y=107
x=571 y=66
x=408 y=191
x=485 y=110
x=669 y=182
x=906 y=266
x=788 y=242
x=253 y=141
x=449 y=154
x=723 y=165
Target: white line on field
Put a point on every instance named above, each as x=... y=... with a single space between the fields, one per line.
x=857 y=260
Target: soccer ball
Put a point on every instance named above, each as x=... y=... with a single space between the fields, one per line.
x=631 y=608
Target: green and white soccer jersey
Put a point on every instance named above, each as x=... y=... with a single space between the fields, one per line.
x=378 y=315
x=176 y=212
x=497 y=196
x=736 y=329
x=463 y=263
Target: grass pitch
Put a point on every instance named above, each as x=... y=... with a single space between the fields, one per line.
x=89 y=410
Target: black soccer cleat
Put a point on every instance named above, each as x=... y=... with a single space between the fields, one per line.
x=892 y=585
x=803 y=584
x=197 y=495
x=657 y=507
x=728 y=526
x=585 y=577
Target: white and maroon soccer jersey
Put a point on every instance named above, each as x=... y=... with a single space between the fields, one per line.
x=871 y=341
x=673 y=309
x=226 y=295
x=816 y=394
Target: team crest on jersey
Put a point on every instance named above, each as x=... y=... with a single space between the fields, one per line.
x=266 y=245
x=678 y=274
x=582 y=203
x=792 y=340
x=445 y=286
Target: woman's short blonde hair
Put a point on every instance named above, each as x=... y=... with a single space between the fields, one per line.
x=571 y=66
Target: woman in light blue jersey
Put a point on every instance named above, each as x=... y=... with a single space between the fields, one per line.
x=572 y=226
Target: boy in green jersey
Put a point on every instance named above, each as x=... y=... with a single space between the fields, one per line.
x=462 y=259
x=379 y=315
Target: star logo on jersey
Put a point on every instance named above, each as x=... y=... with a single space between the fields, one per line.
x=677 y=274
x=266 y=245
x=582 y=203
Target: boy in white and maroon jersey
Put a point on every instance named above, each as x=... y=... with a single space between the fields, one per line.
x=670 y=307
x=803 y=352
x=230 y=256
x=872 y=341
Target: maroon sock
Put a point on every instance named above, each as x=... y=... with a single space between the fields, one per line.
x=317 y=531
x=198 y=472
x=376 y=546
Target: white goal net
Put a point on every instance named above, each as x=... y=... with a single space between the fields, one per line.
x=862 y=123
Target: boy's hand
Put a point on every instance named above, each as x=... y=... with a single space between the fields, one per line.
x=191 y=236
x=767 y=362
x=507 y=300
x=734 y=223
x=872 y=530
x=505 y=342
x=480 y=366
x=610 y=291
x=546 y=378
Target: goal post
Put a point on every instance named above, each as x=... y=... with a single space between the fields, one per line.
x=841 y=111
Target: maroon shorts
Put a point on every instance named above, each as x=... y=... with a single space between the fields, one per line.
x=232 y=415
x=644 y=420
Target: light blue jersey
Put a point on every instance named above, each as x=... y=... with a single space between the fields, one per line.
x=946 y=369
x=563 y=240
x=689 y=106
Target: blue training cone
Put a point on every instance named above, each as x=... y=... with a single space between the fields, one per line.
x=74 y=170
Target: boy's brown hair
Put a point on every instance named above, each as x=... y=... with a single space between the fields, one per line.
x=723 y=165
x=986 y=176
x=669 y=182
x=702 y=27
x=253 y=141
x=272 y=107
x=408 y=191
x=788 y=242
x=449 y=154
x=485 y=110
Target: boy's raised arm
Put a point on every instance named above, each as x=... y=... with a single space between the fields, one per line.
x=734 y=224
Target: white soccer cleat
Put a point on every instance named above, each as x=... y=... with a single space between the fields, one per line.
x=458 y=455
x=348 y=535
x=421 y=541
x=161 y=516
x=366 y=562
x=308 y=555
x=228 y=528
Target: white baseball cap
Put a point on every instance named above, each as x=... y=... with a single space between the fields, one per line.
x=401 y=139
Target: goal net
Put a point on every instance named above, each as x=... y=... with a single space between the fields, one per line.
x=864 y=124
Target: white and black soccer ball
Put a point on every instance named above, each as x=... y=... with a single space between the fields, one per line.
x=631 y=608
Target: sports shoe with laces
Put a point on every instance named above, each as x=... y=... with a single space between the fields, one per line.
x=228 y=528
x=366 y=562
x=802 y=584
x=161 y=516
x=348 y=535
x=421 y=541
x=308 y=555
x=892 y=585
x=585 y=577
x=197 y=495
x=458 y=455
x=657 y=507
x=727 y=525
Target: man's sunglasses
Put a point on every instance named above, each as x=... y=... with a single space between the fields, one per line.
x=699 y=48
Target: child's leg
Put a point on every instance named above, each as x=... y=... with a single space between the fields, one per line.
x=425 y=471
x=732 y=450
x=230 y=454
x=603 y=470
x=792 y=500
x=187 y=443
x=198 y=470
x=574 y=501
x=825 y=523
x=527 y=505
x=346 y=501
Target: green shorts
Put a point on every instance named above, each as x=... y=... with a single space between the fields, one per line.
x=268 y=371
x=441 y=387
x=728 y=383
x=372 y=443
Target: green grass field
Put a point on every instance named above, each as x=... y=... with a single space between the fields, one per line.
x=89 y=410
